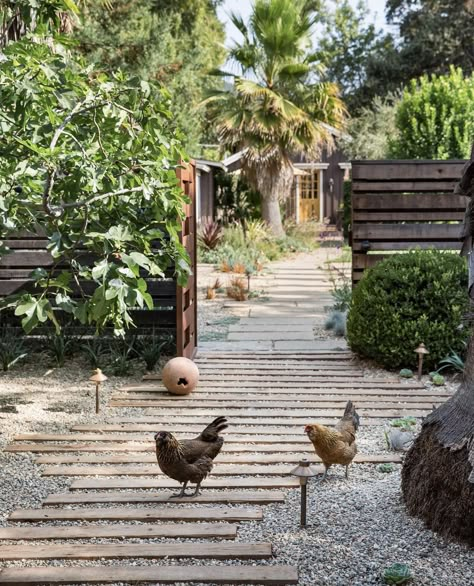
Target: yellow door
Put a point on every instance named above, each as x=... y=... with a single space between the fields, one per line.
x=309 y=196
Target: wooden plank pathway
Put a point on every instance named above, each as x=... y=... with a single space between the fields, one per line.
x=270 y=379
x=118 y=493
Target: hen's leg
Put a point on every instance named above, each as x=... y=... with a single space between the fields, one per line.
x=326 y=468
x=180 y=494
x=347 y=472
x=197 y=492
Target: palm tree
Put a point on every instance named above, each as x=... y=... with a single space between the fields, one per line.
x=278 y=104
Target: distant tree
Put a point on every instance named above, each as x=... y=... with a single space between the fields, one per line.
x=369 y=133
x=434 y=34
x=174 y=42
x=435 y=118
x=348 y=41
x=279 y=104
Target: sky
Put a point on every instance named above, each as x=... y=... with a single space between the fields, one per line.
x=243 y=7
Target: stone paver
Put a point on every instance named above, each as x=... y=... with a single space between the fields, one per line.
x=296 y=292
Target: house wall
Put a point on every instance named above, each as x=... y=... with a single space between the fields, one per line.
x=206 y=195
x=333 y=199
x=333 y=193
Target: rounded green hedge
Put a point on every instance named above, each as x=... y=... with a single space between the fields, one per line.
x=420 y=296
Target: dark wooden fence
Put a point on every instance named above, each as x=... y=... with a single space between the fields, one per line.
x=174 y=308
x=401 y=205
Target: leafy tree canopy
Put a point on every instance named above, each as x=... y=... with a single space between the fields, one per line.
x=435 y=118
x=88 y=160
x=174 y=42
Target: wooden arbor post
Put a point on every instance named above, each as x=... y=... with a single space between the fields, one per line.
x=186 y=297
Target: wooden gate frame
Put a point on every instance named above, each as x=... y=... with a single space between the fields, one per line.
x=186 y=297
x=400 y=205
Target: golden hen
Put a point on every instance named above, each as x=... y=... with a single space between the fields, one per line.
x=336 y=445
x=190 y=460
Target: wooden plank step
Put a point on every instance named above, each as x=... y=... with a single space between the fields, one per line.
x=126 y=470
x=283 y=390
x=307 y=382
x=244 y=438
x=146 y=530
x=230 y=514
x=239 y=367
x=140 y=458
x=253 y=374
x=215 y=574
x=218 y=551
x=260 y=497
x=214 y=483
x=326 y=403
x=275 y=413
x=150 y=447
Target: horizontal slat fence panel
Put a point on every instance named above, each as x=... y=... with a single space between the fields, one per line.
x=401 y=205
x=28 y=251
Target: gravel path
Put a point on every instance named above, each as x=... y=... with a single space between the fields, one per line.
x=356 y=527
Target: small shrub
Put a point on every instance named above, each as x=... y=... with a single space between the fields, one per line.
x=454 y=361
x=397 y=574
x=336 y=322
x=438 y=380
x=406 y=299
x=121 y=354
x=239 y=268
x=385 y=468
x=404 y=422
x=149 y=349
x=210 y=293
x=210 y=235
x=406 y=373
x=95 y=351
x=217 y=284
x=12 y=348
x=237 y=290
x=60 y=346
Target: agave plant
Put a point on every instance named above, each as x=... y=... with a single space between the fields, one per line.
x=210 y=235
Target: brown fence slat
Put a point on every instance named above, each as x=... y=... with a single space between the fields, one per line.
x=408 y=169
x=402 y=205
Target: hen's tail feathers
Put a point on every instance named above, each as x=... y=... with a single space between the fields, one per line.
x=211 y=432
x=351 y=413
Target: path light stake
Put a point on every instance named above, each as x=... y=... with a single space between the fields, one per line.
x=98 y=378
x=303 y=471
x=421 y=351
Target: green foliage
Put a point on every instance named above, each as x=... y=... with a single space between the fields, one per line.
x=209 y=235
x=235 y=199
x=173 y=42
x=438 y=380
x=96 y=351
x=385 y=468
x=60 y=345
x=150 y=348
x=369 y=132
x=435 y=118
x=455 y=361
x=397 y=574
x=406 y=373
x=336 y=321
x=278 y=103
x=404 y=422
x=407 y=299
x=92 y=160
x=121 y=354
x=349 y=39
x=12 y=348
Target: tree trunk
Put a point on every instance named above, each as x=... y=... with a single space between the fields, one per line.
x=438 y=472
x=274 y=182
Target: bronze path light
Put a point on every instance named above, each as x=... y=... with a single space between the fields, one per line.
x=98 y=378
x=303 y=471
x=421 y=351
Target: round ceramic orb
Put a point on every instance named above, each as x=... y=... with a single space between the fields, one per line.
x=180 y=376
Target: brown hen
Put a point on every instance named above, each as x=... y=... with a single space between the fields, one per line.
x=336 y=445
x=189 y=460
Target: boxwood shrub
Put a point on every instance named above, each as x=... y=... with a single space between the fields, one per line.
x=420 y=296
